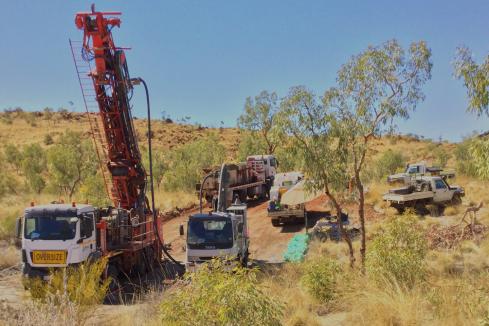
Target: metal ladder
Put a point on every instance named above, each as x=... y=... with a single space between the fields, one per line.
x=83 y=70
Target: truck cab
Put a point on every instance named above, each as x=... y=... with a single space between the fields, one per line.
x=266 y=164
x=56 y=235
x=217 y=235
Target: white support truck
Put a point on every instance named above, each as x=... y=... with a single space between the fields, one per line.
x=418 y=170
x=426 y=194
x=217 y=235
x=222 y=233
x=279 y=212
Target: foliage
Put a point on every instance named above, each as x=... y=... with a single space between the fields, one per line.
x=441 y=156
x=464 y=162
x=388 y=163
x=93 y=190
x=215 y=296
x=479 y=152
x=70 y=162
x=160 y=165
x=476 y=80
x=397 y=253
x=7 y=181
x=375 y=87
x=259 y=118
x=312 y=130
x=34 y=164
x=79 y=285
x=7 y=225
x=320 y=147
x=320 y=275
x=13 y=156
x=48 y=139
x=249 y=144
x=473 y=158
x=186 y=163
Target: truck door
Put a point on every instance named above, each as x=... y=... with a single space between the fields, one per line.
x=442 y=192
x=87 y=234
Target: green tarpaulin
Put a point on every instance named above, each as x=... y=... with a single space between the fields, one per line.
x=297 y=248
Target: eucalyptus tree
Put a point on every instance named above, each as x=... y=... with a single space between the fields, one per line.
x=313 y=131
x=258 y=118
x=373 y=88
x=476 y=80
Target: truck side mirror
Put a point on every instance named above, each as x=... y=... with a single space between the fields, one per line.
x=18 y=232
x=181 y=230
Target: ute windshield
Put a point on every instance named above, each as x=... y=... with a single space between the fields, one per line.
x=210 y=234
x=50 y=227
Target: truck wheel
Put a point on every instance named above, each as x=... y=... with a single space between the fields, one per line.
x=114 y=291
x=275 y=222
x=456 y=200
x=244 y=260
x=434 y=210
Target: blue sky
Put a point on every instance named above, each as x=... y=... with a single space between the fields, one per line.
x=203 y=58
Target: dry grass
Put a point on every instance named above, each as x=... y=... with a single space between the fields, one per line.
x=166 y=135
x=10 y=257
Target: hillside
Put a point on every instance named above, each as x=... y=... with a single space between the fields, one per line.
x=22 y=128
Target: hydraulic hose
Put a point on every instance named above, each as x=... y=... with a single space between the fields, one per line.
x=150 y=153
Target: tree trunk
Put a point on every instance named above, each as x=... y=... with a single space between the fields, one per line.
x=343 y=234
x=361 y=215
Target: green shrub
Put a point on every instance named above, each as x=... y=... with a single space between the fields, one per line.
x=186 y=163
x=81 y=284
x=320 y=275
x=441 y=157
x=33 y=166
x=473 y=158
x=388 y=163
x=214 y=296
x=398 y=251
x=93 y=191
x=464 y=163
x=13 y=156
x=48 y=139
x=250 y=144
x=7 y=226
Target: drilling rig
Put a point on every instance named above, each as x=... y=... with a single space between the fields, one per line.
x=129 y=233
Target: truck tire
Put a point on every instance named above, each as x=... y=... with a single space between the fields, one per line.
x=435 y=210
x=244 y=260
x=114 y=291
x=456 y=199
x=275 y=222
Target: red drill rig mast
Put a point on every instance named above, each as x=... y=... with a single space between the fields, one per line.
x=112 y=87
x=112 y=90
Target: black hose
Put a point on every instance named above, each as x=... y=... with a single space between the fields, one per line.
x=150 y=153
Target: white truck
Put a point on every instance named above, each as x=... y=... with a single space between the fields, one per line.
x=417 y=170
x=222 y=233
x=60 y=235
x=425 y=194
x=282 y=213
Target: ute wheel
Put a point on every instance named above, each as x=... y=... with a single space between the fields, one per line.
x=456 y=200
x=275 y=222
x=435 y=210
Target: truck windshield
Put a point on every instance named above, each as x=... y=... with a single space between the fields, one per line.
x=210 y=234
x=50 y=227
